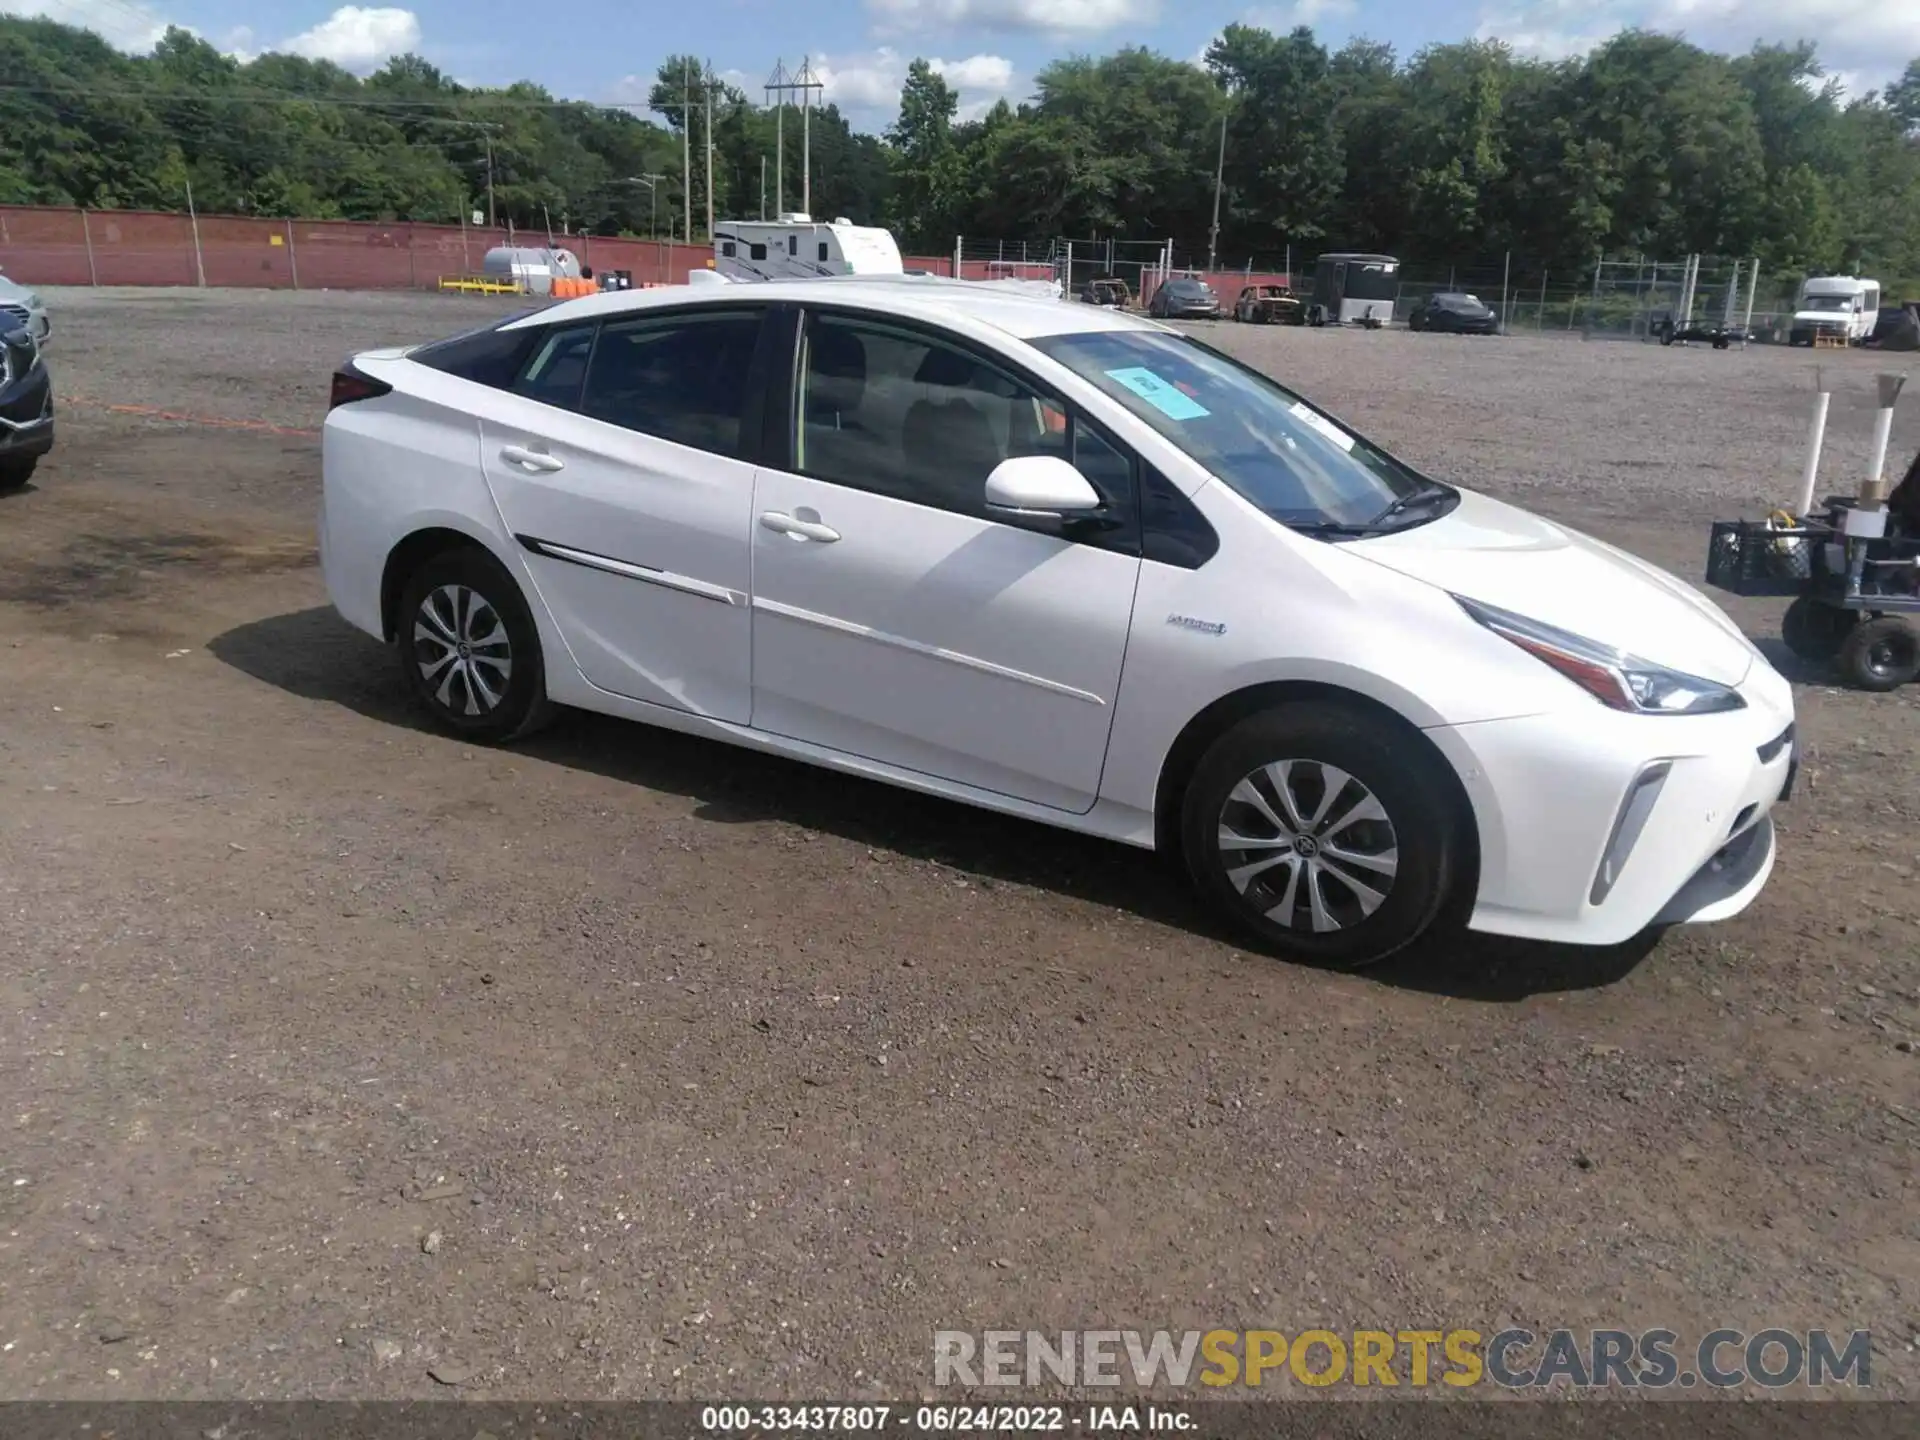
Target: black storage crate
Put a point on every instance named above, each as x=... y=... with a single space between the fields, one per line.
x=1749 y=557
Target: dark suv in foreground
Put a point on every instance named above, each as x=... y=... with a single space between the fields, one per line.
x=26 y=407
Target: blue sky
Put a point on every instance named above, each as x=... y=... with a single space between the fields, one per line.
x=607 y=49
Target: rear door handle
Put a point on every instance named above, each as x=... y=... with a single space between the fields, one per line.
x=531 y=459
x=800 y=529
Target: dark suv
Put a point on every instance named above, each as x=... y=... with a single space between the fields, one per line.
x=26 y=405
x=1454 y=313
x=1184 y=300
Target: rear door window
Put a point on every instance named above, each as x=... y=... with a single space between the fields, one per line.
x=681 y=377
x=554 y=372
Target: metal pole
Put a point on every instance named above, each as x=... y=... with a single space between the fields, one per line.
x=806 y=135
x=293 y=261
x=1506 y=274
x=466 y=255
x=93 y=275
x=1816 y=437
x=763 y=187
x=1540 y=317
x=686 y=143
x=1874 y=491
x=487 y=135
x=780 y=150
x=707 y=136
x=199 y=261
x=957 y=274
x=1753 y=288
x=1219 y=175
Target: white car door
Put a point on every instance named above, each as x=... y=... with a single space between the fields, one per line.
x=893 y=618
x=614 y=462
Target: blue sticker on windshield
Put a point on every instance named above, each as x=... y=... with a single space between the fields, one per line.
x=1163 y=395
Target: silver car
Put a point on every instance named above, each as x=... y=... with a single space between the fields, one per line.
x=25 y=306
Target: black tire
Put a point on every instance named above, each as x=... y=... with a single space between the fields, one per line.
x=1881 y=654
x=1815 y=631
x=1420 y=837
x=450 y=696
x=16 y=473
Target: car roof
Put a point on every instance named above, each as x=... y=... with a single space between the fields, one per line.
x=1017 y=311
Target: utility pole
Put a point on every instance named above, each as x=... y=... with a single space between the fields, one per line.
x=707 y=136
x=686 y=143
x=775 y=93
x=763 y=187
x=487 y=135
x=1219 y=175
x=781 y=85
x=807 y=85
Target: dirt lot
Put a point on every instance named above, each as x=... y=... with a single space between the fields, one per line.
x=704 y=1074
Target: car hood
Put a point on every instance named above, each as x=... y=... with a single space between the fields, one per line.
x=1830 y=317
x=1504 y=556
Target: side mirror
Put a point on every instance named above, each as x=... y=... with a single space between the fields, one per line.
x=1039 y=487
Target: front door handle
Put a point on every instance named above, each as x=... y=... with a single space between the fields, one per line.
x=799 y=529
x=534 y=460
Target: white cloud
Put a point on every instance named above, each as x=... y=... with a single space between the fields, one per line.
x=1867 y=40
x=1050 y=17
x=872 y=81
x=123 y=24
x=977 y=72
x=359 y=38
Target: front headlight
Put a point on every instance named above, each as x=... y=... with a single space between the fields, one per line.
x=1615 y=678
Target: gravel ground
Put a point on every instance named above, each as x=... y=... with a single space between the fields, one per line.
x=340 y=1056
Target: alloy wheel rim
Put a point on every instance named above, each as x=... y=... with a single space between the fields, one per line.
x=1308 y=845
x=460 y=644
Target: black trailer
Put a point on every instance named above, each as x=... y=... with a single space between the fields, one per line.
x=1353 y=289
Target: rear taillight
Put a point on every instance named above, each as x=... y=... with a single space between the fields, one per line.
x=350 y=384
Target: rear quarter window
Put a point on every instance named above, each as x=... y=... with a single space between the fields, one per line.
x=490 y=356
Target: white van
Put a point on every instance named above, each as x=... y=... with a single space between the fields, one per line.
x=798 y=247
x=1835 y=304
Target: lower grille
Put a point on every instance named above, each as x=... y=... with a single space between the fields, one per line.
x=17 y=313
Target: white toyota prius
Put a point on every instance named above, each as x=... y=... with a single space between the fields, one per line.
x=1065 y=563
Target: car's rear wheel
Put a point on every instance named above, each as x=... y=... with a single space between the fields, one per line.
x=1320 y=831
x=470 y=649
x=15 y=473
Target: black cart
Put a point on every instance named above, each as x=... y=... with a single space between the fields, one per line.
x=1853 y=593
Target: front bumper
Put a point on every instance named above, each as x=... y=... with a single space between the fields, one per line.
x=26 y=415
x=1566 y=851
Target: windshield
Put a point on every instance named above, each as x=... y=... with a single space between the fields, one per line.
x=1829 y=302
x=1371 y=280
x=1188 y=288
x=1267 y=444
x=1469 y=303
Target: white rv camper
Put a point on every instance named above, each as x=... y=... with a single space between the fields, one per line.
x=1838 y=305
x=798 y=247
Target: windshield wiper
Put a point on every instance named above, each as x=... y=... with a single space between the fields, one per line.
x=1417 y=499
x=1334 y=527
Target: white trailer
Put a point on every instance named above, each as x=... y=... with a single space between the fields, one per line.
x=1835 y=306
x=798 y=247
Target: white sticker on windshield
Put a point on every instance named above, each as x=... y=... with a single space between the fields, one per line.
x=1325 y=426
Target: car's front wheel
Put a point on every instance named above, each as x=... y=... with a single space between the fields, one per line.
x=1321 y=832
x=469 y=648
